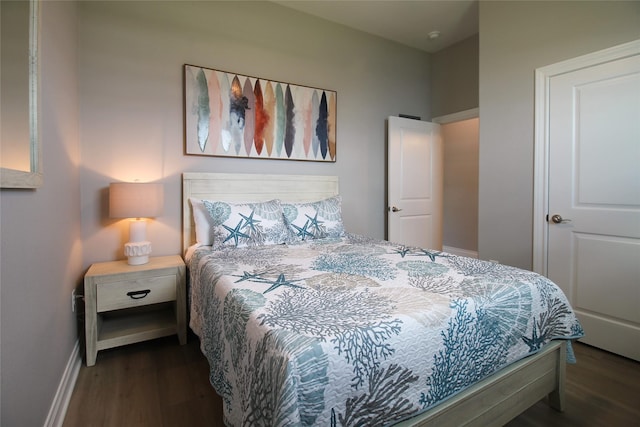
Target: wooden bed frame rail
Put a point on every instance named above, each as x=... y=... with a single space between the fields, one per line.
x=505 y=395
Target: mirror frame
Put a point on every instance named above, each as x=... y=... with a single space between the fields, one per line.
x=33 y=178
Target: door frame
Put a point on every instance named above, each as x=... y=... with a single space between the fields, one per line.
x=471 y=113
x=543 y=78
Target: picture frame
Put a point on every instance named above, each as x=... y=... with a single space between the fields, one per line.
x=233 y=115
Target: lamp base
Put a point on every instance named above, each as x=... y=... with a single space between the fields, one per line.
x=137 y=252
x=138 y=260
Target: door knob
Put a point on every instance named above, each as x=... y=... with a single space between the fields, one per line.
x=394 y=209
x=557 y=219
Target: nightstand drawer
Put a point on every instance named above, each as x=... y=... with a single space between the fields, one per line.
x=135 y=293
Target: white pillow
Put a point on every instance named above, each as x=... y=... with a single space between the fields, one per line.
x=314 y=220
x=203 y=222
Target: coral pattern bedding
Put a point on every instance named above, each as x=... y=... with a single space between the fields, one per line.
x=357 y=331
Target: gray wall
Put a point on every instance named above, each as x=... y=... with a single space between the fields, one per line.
x=454 y=78
x=41 y=246
x=130 y=74
x=454 y=88
x=515 y=39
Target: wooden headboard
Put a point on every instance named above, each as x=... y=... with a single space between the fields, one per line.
x=232 y=187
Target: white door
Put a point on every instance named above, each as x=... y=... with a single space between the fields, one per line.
x=594 y=198
x=414 y=183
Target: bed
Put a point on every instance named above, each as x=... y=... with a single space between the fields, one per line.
x=331 y=328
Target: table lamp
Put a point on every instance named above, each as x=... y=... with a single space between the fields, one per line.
x=137 y=201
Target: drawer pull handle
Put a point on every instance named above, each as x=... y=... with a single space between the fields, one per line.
x=138 y=294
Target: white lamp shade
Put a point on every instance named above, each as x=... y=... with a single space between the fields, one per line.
x=135 y=200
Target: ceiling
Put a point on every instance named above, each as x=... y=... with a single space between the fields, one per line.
x=408 y=22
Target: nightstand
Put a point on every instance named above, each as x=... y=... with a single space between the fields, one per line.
x=126 y=303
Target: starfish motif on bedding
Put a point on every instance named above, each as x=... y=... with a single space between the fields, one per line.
x=281 y=281
x=303 y=231
x=403 y=250
x=432 y=255
x=235 y=233
x=250 y=222
x=314 y=223
x=247 y=276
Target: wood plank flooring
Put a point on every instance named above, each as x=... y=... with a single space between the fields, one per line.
x=155 y=383
x=162 y=384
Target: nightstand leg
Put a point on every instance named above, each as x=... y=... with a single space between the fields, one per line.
x=91 y=357
x=181 y=306
x=90 y=322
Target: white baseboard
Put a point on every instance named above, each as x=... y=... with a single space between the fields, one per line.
x=460 y=252
x=61 y=400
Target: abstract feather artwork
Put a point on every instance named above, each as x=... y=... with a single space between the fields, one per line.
x=232 y=115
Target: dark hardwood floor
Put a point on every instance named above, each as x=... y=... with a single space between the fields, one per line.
x=155 y=383
x=160 y=383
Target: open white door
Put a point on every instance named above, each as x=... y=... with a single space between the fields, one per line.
x=414 y=183
x=593 y=229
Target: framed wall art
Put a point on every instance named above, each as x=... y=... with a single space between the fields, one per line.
x=232 y=115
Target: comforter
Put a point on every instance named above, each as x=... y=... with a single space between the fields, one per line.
x=358 y=331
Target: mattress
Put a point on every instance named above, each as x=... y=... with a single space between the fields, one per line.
x=359 y=331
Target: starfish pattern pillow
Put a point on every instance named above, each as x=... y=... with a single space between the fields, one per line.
x=314 y=220
x=247 y=224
